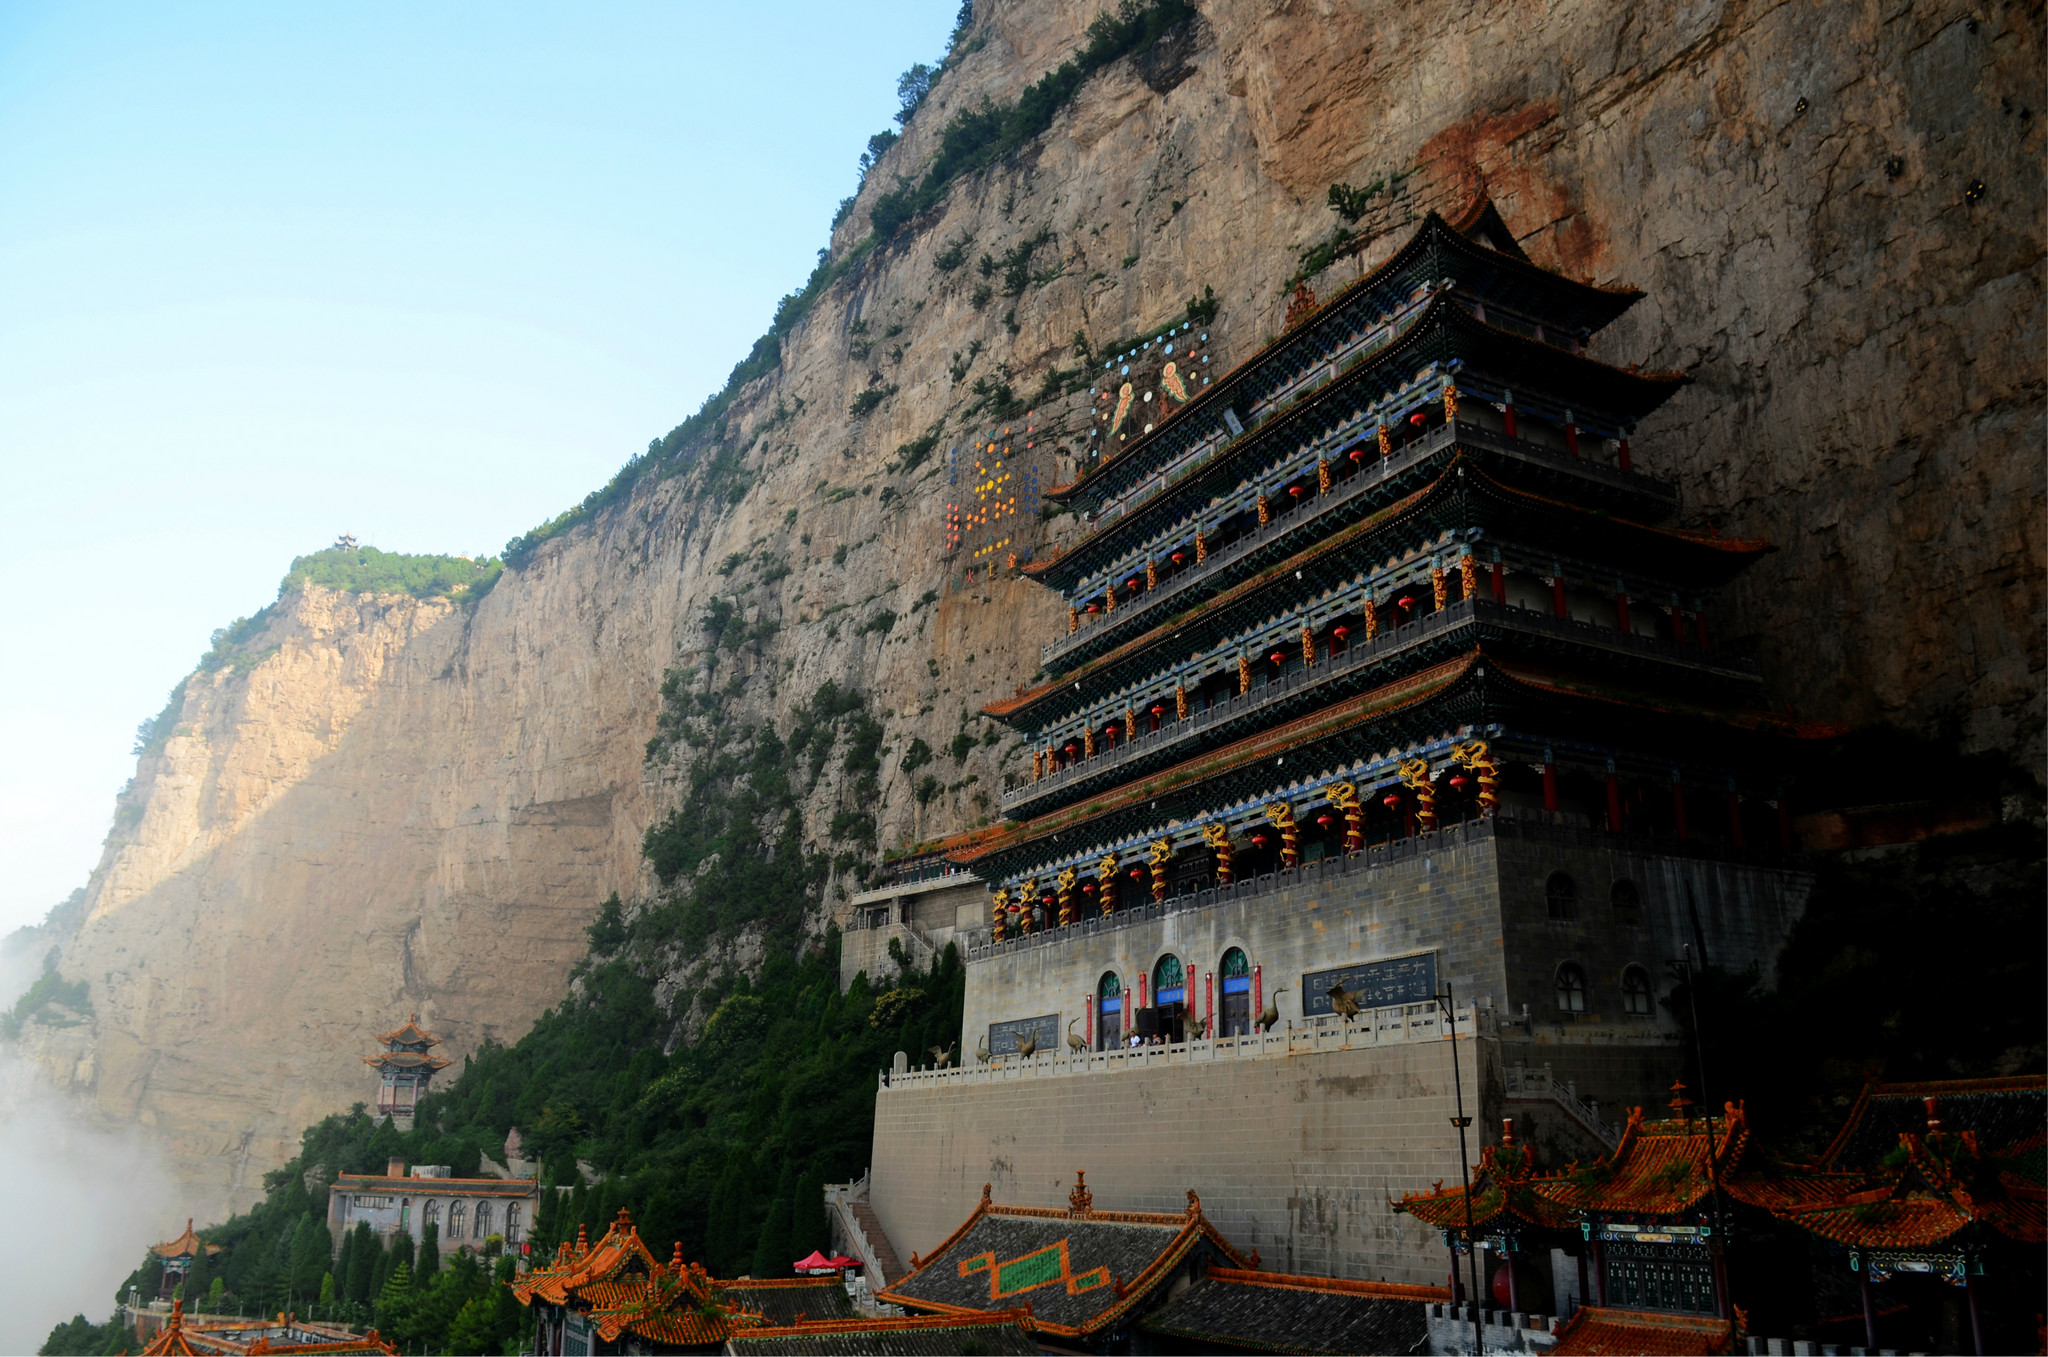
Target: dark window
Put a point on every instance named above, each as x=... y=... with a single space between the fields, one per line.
x=1627 y=902
x=1563 y=895
x=1635 y=990
x=1109 y=1013
x=1571 y=988
x=1235 y=1018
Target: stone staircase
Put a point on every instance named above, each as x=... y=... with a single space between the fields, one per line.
x=870 y=1224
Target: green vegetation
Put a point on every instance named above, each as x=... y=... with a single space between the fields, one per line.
x=978 y=137
x=366 y=570
x=869 y=400
x=51 y=991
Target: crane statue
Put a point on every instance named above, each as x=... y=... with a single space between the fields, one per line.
x=1078 y=1045
x=1344 y=1004
x=1269 y=1017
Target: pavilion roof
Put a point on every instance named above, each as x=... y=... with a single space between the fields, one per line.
x=1278 y=1312
x=1640 y=1333
x=2003 y=1113
x=1080 y=1271
x=407 y=1060
x=171 y=1340
x=917 y=1336
x=1659 y=1168
x=185 y=1245
x=1506 y=1187
x=411 y=1034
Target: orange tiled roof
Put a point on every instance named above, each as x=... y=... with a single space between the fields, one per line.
x=1932 y=1188
x=185 y=1245
x=1504 y=1181
x=411 y=1033
x=1338 y=1286
x=1637 y=1333
x=1659 y=1168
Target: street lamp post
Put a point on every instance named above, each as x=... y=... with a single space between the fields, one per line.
x=1446 y=1002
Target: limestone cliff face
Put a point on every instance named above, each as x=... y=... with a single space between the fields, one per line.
x=1834 y=208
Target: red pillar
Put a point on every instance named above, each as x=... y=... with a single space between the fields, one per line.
x=1678 y=806
x=1621 y=610
x=1500 y=583
x=1613 y=801
x=1549 y=784
x=1677 y=625
x=1626 y=464
x=1507 y=416
x=1571 y=444
x=1734 y=817
x=1699 y=629
x=1557 y=596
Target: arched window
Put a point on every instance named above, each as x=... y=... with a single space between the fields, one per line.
x=1571 y=988
x=430 y=1212
x=1627 y=902
x=1236 y=1017
x=1169 y=981
x=512 y=1222
x=1635 y=991
x=483 y=1220
x=1563 y=894
x=456 y=1211
x=1109 y=1012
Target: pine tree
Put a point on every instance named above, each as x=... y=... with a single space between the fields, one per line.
x=198 y=1278
x=394 y=1299
x=308 y=1258
x=809 y=1227
x=327 y=1289
x=430 y=1253
x=362 y=1263
x=772 y=1252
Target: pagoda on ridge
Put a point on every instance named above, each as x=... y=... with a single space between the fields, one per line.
x=405 y=1068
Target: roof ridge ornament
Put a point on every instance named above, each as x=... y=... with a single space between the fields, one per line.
x=1080 y=1201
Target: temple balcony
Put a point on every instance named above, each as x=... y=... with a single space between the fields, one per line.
x=1458 y=627
x=1556 y=830
x=1299 y=526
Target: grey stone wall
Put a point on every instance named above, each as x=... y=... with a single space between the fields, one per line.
x=1295 y=1156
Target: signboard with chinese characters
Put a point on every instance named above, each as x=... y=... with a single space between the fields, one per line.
x=1374 y=984
x=1002 y=1036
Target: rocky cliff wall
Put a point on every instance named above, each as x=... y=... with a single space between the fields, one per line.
x=1834 y=207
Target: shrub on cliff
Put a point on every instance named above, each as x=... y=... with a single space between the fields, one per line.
x=366 y=570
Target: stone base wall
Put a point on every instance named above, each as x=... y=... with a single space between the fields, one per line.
x=1294 y=1156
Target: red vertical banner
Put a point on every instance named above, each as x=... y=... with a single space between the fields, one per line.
x=1258 y=992
x=1209 y=1002
x=1141 y=998
x=1088 y=1007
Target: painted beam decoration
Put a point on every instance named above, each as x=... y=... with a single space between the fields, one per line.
x=1374 y=984
x=1004 y=1038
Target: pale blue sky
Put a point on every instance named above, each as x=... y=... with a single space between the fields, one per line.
x=423 y=273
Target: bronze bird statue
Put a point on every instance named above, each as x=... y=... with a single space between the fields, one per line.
x=1197 y=1027
x=942 y=1056
x=1343 y=1004
x=1078 y=1045
x=1269 y=1017
x=981 y=1053
x=1027 y=1044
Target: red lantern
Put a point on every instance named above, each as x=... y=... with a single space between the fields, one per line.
x=1391 y=800
x=1341 y=632
x=1459 y=782
x=1416 y=418
x=1132 y=582
x=1092 y=607
x=1137 y=872
x=1259 y=840
x=1358 y=454
x=1405 y=601
x=1159 y=711
x=1279 y=657
x=1176 y=558
x=1322 y=819
x=1089 y=888
x=1071 y=748
x=1294 y=490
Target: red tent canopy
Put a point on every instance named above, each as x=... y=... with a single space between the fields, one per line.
x=841 y=1260
x=817 y=1262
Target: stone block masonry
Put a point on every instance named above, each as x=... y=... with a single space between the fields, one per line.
x=1294 y=1156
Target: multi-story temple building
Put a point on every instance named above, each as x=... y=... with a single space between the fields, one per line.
x=1385 y=673
x=405 y=1068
